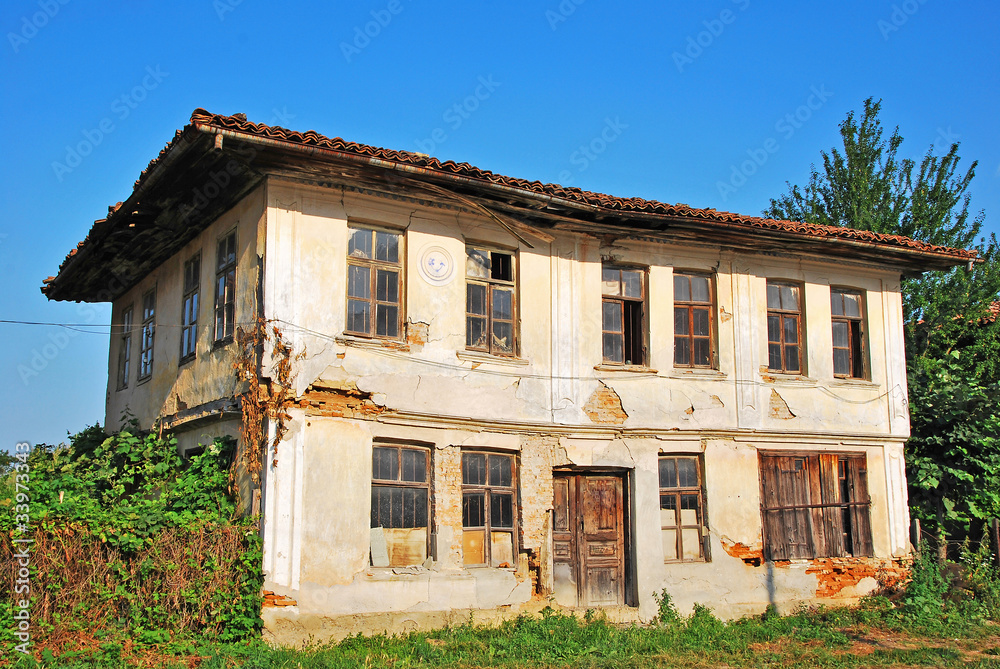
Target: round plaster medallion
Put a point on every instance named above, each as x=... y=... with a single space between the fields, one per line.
x=437 y=267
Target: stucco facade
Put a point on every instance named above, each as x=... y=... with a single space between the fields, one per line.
x=757 y=472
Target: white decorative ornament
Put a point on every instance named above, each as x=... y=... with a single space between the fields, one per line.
x=437 y=267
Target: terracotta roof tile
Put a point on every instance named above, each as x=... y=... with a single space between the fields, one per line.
x=239 y=123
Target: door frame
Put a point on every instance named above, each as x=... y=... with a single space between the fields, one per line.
x=629 y=580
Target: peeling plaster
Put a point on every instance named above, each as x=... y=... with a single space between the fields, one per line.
x=778 y=408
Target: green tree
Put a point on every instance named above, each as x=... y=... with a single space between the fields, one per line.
x=952 y=344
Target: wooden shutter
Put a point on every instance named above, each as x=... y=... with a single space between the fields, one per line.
x=857 y=479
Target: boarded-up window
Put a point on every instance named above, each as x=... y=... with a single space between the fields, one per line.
x=682 y=511
x=401 y=501
x=815 y=505
x=489 y=509
x=374 y=283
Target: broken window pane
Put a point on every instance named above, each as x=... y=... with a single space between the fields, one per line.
x=359 y=243
x=477 y=263
x=501 y=266
x=494 y=328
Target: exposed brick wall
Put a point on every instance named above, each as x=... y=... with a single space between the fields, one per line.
x=339 y=403
x=605 y=407
x=448 y=503
x=835 y=574
x=272 y=599
x=536 y=488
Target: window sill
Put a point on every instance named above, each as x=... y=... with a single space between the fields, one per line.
x=631 y=369
x=696 y=373
x=185 y=360
x=144 y=380
x=700 y=561
x=487 y=359
x=373 y=343
x=777 y=378
x=222 y=343
x=852 y=383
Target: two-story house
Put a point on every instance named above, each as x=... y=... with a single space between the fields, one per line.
x=492 y=394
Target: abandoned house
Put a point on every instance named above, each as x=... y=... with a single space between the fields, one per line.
x=479 y=394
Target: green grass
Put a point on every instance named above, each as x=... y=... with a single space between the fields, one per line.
x=866 y=636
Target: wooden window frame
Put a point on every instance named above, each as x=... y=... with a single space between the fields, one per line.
x=831 y=516
x=189 y=308
x=379 y=484
x=488 y=490
x=633 y=342
x=147 y=335
x=374 y=265
x=856 y=349
x=225 y=287
x=689 y=307
x=782 y=314
x=493 y=285
x=125 y=347
x=676 y=491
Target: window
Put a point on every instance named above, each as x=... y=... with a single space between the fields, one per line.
x=848 y=333
x=490 y=301
x=682 y=516
x=488 y=509
x=189 y=308
x=784 y=328
x=148 y=331
x=692 y=320
x=401 y=501
x=373 y=283
x=125 y=350
x=225 y=287
x=815 y=505
x=622 y=315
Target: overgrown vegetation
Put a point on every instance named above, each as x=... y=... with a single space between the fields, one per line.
x=131 y=543
x=952 y=338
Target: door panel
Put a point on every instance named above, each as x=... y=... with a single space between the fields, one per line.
x=588 y=540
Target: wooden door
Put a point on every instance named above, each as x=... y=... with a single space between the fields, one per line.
x=588 y=540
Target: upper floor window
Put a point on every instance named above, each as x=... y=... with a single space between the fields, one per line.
x=225 y=287
x=401 y=501
x=692 y=320
x=848 y=333
x=189 y=307
x=815 y=505
x=148 y=331
x=125 y=348
x=491 y=287
x=682 y=514
x=374 y=278
x=623 y=320
x=784 y=327
x=489 y=509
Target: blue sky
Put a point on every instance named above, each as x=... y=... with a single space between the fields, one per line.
x=652 y=99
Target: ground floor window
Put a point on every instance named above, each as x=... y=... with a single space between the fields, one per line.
x=682 y=509
x=401 y=502
x=489 y=509
x=815 y=505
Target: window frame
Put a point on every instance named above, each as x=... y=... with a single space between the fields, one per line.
x=426 y=486
x=781 y=313
x=822 y=481
x=147 y=335
x=491 y=284
x=488 y=489
x=690 y=305
x=677 y=491
x=225 y=288
x=190 y=305
x=373 y=265
x=857 y=351
x=621 y=300
x=125 y=346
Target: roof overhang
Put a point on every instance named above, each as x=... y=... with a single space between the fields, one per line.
x=216 y=161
